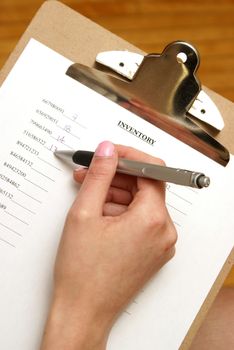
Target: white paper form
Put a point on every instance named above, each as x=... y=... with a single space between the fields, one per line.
x=42 y=109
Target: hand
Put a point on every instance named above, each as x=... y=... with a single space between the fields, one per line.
x=117 y=235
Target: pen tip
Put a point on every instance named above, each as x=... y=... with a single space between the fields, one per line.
x=56 y=153
x=62 y=154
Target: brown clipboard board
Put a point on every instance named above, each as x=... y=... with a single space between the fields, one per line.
x=80 y=40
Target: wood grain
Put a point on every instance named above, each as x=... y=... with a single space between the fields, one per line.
x=150 y=25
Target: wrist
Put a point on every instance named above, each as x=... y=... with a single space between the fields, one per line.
x=74 y=326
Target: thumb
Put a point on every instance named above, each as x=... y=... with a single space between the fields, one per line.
x=93 y=192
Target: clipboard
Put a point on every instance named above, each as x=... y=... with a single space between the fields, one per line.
x=68 y=33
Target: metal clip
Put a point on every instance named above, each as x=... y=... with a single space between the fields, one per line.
x=127 y=63
x=162 y=91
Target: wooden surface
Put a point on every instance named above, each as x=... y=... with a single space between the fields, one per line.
x=150 y=25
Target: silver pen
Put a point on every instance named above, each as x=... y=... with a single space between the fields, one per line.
x=147 y=170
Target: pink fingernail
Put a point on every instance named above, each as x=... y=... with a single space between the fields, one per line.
x=79 y=168
x=105 y=149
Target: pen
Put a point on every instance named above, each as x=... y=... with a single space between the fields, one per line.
x=146 y=170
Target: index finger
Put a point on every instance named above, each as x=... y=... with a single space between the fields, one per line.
x=94 y=189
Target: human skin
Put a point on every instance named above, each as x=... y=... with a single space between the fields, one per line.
x=117 y=235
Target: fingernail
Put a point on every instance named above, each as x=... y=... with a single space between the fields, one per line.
x=105 y=149
x=79 y=168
